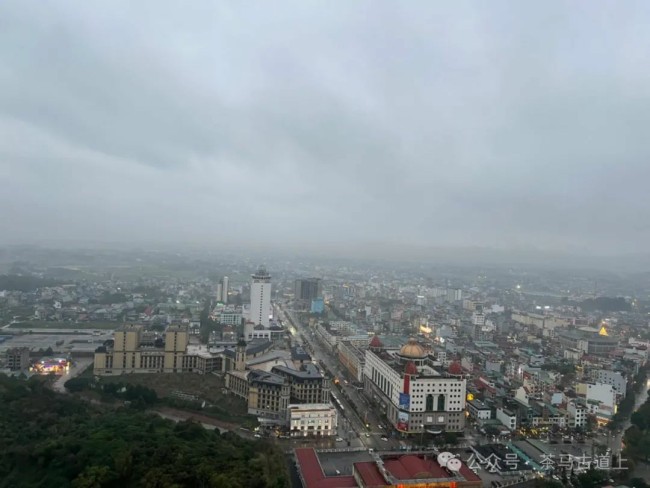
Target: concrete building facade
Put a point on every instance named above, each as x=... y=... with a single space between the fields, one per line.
x=315 y=419
x=412 y=393
x=260 y=297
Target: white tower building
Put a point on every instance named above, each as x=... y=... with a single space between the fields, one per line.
x=260 y=297
x=224 y=290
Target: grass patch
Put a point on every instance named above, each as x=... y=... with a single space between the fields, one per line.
x=207 y=387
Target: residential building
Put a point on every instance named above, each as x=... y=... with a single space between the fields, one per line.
x=507 y=418
x=17 y=358
x=478 y=410
x=577 y=414
x=601 y=401
x=614 y=378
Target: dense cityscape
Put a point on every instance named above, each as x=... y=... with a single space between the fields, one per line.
x=361 y=374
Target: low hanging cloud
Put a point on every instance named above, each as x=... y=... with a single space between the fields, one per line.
x=499 y=125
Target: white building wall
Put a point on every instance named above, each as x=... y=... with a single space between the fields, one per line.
x=312 y=419
x=260 y=300
x=506 y=419
x=613 y=378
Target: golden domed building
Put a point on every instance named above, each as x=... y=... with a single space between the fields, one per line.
x=412 y=351
x=412 y=390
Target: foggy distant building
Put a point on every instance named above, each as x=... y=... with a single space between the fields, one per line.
x=219 y=292
x=260 y=297
x=307 y=289
x=17 y=358
x=454 y=295
x=224 y=289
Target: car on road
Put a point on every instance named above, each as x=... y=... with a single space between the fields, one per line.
x=367 y=434
x=339 y=439
x=385 y=439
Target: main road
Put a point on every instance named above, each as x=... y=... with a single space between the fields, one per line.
x=364 y=431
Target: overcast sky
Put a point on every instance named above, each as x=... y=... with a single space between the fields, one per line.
x=509 y=125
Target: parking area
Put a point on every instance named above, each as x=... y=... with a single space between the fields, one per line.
x=61 y=341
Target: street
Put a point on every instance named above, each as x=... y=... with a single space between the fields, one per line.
x=360 y=432
x=78 y=368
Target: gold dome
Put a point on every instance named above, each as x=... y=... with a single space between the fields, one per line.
x=412 y=350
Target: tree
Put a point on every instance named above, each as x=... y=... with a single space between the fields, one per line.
x=50 y=439
x=640 y=419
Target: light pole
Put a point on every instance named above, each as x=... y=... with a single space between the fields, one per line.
x=421 y=435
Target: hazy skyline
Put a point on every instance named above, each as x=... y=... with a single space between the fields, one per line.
x=491 y=124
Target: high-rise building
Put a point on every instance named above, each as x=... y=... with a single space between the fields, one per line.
x=224 y=289
x=307 y=289
x=260 y=297
x=219 y=292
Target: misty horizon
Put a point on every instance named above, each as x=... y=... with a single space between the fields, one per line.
x=497 y=132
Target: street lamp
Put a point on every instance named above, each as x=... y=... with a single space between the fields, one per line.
x=421 y=435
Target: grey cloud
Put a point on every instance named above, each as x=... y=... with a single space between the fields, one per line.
x=503 y=125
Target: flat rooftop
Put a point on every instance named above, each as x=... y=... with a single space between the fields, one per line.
x=312 y=472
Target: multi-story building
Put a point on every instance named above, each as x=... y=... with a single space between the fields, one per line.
x=577 y=414
x=229 y=315
x=17 y=358
x=601 y=401
x=614 y=378
x=507 y=418
x=135 y=350
x=545 y=415
x=268 y=393
x=411 y=392
x=260 y=297
x=307 y=384
x=307 y=289
x=353 y=358
x=478 y=410
x=315 y=419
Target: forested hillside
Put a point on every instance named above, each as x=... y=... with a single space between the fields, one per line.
x=48 y=440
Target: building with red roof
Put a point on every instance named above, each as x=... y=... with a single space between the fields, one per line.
x=390 y=471
x=312 y=475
